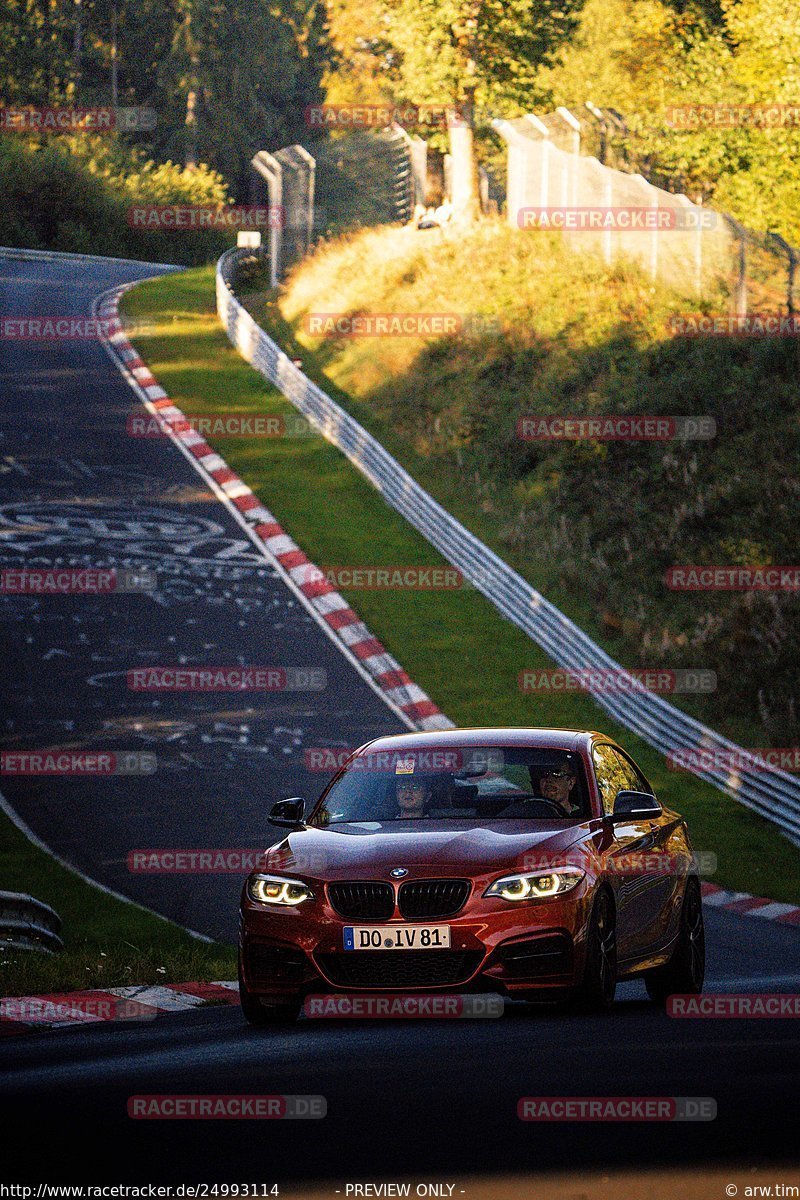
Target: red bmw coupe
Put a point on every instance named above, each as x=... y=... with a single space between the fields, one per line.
x=534 y=863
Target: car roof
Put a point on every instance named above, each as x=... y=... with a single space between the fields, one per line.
x=561 y=739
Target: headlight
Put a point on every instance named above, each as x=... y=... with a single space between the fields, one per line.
x=536 y=886
x=277 y=890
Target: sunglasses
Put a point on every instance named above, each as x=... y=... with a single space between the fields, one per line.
x=557 y=775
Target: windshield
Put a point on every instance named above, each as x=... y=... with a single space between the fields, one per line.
x=487 y=783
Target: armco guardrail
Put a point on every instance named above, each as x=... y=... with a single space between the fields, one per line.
x=28 y=924
x=772 y=793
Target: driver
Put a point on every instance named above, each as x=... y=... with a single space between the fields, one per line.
x=413 y=795
x=557 y=784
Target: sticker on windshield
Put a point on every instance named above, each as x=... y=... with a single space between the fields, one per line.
x=404 y=766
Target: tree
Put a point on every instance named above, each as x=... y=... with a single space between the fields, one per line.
x=462 y=54
x=225 y=79
x=643 y=56
x=36 y=45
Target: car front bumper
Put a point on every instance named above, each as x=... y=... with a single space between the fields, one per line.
x=495 y=946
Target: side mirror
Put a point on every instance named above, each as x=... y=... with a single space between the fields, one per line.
x=288 y=813
x=633 y=806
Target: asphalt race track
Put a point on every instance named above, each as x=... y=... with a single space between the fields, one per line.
x=416 y=1098
x=426 y=1099
x=77 y=490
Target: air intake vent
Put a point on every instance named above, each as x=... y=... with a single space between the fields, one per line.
x=432 y=897
x=362 y=900
x=400 y=968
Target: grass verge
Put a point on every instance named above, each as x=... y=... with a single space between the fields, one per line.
x=107 y=943
x=454 y=644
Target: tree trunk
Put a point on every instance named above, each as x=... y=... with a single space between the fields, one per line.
x=77 y=43
x=114 y=70
x=464 y=176
x=191 y=128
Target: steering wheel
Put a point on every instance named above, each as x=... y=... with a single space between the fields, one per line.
x=552 y=804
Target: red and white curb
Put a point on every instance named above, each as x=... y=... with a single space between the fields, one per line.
x=750 y=906
x=117 y=1005
x=329 y=608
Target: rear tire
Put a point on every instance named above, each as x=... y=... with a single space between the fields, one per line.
x=596 y=993
x=258 y=1011
x=684 y=974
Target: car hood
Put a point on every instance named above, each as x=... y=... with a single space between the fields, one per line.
x=373 y=849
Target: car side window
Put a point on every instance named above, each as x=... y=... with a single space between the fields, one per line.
x=611 y=775
x=638 y=783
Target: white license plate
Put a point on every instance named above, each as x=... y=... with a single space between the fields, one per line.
x=397 y=937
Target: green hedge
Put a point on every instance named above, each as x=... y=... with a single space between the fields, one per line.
x=75 y=194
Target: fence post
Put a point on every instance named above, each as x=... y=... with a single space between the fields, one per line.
x=270 y=169
x=566 y=175
x=312 y=179
x=791 y=254
x=419 y=166
x=516 y=168
x=483 y=188
x=298 y=198
x=417 y=154
x=651 y=195
x=740 y=289
x=608 y=197
x=597 y=113
x=573 y=129
x=698 y=243
x=574 y=161
x=543 y=142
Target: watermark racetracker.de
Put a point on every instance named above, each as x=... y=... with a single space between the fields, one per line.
x=617 y=1108
x=220 y=425
x=400 y=324
x=622 y=427
x=69 y=762
x=30 y=119
x=628 y=218
x=227 y=679
x=243 y=1107
x=74 y=581
x=616 y=681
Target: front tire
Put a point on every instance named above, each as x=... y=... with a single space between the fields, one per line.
x=596 y=993
x=684 y=974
